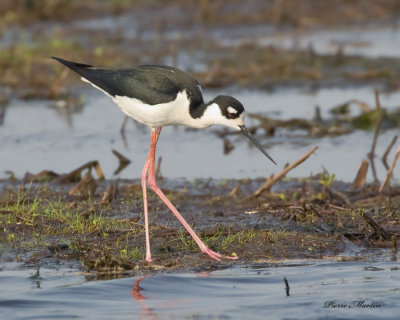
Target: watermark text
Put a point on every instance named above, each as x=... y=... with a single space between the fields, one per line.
x=360 y=304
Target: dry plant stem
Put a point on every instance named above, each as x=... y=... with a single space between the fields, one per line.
x=341 y=196
x=363 y=106
x=360 y=179
x=110 y=193
x=158 y=170
x=378 y=104
x=72 y=175
x=122 y=159
x=380 y=232
x=389 y=148
x=271 y=181
x=122 y=129
x=99 y=172
x=371 y=154
x=87 y=186
x=390 y=171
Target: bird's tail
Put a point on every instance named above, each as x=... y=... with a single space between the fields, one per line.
x=75 y=66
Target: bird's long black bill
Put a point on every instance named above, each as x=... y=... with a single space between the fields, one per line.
x=255 y=142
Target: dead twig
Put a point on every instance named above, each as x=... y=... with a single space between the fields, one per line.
x=85 y=214
x=110 y=193
x=389 y=148
x=158 y=169
x=75 y=175
x=379 y=231
x=337 y=207
x=42 y=176
x=341 y=196
x=235 y=191
x=371 y=154
x=123 y=125
x=272 y=180
x=122 y=130
x=123 y=161
x=361 y=176
x=363 y=106
x=287 y=288
x=377 y=102
x=390 y=171
x=86 y=187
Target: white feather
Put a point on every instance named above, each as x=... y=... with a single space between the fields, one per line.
x=164 y=114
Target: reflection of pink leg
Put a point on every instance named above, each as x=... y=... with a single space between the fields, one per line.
x=149 y=170
x=136 y=294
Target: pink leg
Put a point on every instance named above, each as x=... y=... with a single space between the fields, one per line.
x=154 y=137
x=150 y=173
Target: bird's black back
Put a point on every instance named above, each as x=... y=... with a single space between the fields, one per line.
x=152 y=84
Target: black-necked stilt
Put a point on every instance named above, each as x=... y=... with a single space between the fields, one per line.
x=162 y=96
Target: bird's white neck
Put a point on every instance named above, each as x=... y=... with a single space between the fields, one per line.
x=212 y=115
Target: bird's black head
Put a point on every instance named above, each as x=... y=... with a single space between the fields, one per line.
x=229 y=106
x=231 y=114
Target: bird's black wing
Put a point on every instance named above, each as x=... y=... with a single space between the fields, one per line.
x=151 y=84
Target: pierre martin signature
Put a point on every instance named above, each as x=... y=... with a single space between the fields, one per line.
x=363 y=304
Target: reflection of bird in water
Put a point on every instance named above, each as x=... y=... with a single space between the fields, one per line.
x=146 y=311
x=136 y=289
x=161 y=96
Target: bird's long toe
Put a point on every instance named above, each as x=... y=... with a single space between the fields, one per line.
x=232 y=257
x=217 y=256
x=212 y=254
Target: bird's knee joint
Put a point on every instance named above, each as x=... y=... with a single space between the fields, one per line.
x=152 y=183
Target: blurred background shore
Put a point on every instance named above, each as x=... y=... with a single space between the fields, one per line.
x=285 y=60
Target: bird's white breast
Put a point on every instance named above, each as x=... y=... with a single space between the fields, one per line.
x=163 y=114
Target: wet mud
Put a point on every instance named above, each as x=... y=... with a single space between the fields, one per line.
x=299 y=218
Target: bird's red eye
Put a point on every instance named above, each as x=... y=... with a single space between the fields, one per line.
x=231 y=115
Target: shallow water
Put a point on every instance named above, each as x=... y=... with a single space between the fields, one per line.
x=36 y=136
x=370 y=41
x=256 y=292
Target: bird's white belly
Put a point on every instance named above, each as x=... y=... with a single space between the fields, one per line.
x=163 y=114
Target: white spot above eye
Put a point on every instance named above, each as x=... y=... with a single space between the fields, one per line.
x=231 y=110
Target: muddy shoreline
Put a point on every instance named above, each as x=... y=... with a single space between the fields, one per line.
x=298 y=219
